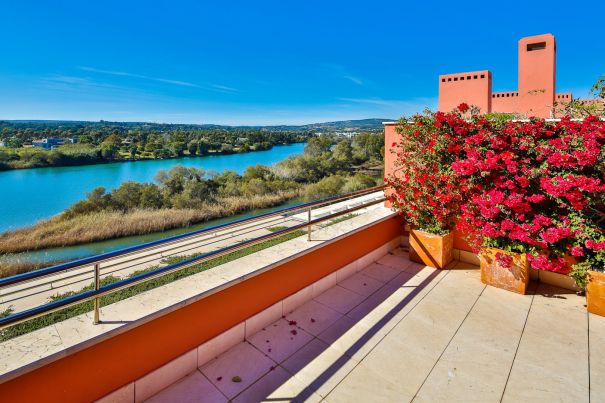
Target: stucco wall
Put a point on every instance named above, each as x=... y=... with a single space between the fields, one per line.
x=474 y=88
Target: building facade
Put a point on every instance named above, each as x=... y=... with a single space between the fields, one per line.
x=47 y=143
x=536 y=94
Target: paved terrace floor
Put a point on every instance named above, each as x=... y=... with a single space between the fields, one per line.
x=398 y=332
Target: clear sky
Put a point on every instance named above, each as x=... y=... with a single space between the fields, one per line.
x=270 y=62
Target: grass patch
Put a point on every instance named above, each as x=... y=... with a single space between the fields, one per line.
x=340 y=219
x=70 y=312
x=13 y=267
x=6 y=313
x=276 y=229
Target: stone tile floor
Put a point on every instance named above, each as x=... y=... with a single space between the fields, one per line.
x=397 y=332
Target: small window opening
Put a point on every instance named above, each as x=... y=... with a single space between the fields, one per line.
x=482 y=75
x=536 y=46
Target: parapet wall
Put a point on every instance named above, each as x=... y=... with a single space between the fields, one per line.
x=473 y=87
x=108 y=363
x=536 y=94
x=505 y=102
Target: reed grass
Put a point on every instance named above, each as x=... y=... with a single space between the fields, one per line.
x=63 y=231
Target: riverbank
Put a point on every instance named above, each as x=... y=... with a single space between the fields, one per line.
x=98 y=226
x=74 y=156
x=185 y=196
x=32 y=195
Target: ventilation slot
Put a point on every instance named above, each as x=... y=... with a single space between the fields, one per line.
x=536 y=46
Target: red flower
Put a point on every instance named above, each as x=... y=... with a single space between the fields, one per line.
x=463 y=107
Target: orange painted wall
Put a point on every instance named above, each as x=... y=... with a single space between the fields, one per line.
x=474 y=88
x=505 y=102
x=537 y=71
x=110 y=364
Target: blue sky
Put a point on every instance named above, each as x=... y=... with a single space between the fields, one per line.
x=272 y=62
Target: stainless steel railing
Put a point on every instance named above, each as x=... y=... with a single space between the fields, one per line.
x=173 y=243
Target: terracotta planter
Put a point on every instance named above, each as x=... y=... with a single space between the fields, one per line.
x=514 y=278
x=595 y=293
x=430 y=249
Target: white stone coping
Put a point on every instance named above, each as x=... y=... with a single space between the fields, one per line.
x=43 y=346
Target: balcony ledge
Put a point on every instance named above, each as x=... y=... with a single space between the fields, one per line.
x=41 y=347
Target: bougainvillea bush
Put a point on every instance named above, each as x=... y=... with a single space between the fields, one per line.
x=542 y=191
x=532 y=187
x=424 y=186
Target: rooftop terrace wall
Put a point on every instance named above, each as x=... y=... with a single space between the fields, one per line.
x=473 y=87
x=87 y=372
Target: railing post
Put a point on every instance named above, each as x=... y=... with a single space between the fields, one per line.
x=97 y=301
x=309 y=226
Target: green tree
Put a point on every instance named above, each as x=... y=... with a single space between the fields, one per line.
x=127 y=196
x=318 y=145
x=109 y=150
x=343 y=152
x=328 y=186
x=192 y=147
x=178 y=148
x=151 y=197
x=359 y=182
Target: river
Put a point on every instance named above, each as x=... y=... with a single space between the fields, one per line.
x=30 y=195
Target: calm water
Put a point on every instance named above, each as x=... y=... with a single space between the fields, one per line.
x=29 y=195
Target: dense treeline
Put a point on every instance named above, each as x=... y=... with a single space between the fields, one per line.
x=104 y=141
x=184 y=196
x=323 y=170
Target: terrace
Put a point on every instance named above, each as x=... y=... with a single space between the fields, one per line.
x=398 y=331
x=317 y=302
x=345 y=316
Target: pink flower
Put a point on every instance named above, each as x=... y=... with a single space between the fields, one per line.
x=504 y=259
x=577 y=251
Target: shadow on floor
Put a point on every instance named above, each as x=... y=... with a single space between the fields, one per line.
x=361 y=342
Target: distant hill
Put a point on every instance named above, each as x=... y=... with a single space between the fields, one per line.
x=360 y=124
x=342 y=125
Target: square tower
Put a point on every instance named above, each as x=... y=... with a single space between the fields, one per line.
x=474 y=88
x=537 y=65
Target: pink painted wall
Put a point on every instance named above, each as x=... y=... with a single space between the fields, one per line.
x=390 y=137
x=536 y=88
x=474 y=88
x=537 y=72
x=505 y=102
x=563 y=97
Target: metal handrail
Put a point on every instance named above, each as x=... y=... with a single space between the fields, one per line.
x=142 y=260
x=166 y=241
x=100 y=291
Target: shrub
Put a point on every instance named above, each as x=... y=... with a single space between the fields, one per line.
x=532 y=187
x=329 y=186
x=425 y=189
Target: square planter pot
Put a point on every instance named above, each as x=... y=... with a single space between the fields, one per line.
x=514 y=278
x=595 y=293
x=430 y=249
